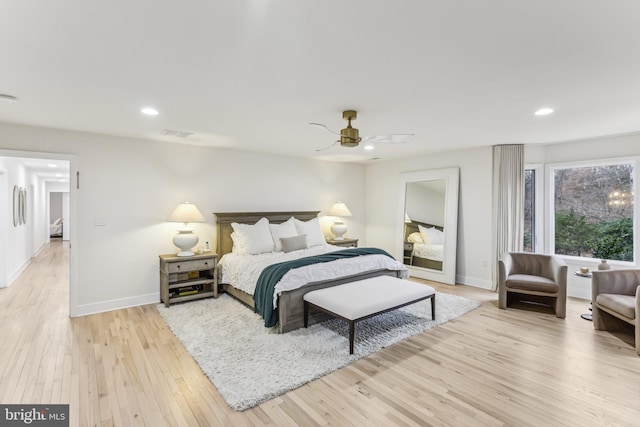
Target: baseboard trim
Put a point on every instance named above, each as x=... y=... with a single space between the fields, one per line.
x=116 y=304
x=475 y=282
x=13 y=276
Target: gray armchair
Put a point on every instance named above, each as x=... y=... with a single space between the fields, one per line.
x=615 y=301
x=534 y=277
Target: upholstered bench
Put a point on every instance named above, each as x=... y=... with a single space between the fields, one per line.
x=360 y=300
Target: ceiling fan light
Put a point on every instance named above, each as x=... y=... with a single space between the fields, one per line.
x=349 y=137
x=368 y=147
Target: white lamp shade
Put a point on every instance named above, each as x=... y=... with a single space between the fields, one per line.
x=339 y=209
x=186 y=213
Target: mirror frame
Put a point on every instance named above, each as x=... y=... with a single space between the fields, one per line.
x=451 y=176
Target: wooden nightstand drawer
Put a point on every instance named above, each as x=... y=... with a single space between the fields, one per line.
x=188 y=278
x=191 y=265
x=346 y=243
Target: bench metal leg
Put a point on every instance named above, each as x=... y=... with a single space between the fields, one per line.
x=433 y=307
x=306 y=314
x=351 y=334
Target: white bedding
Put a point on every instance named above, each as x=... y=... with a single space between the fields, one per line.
x=242 y=270
x=428 y=251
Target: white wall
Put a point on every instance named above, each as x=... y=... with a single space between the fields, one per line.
x=55 y=206
x=66 y=213
x=474 y=209
x=475 y=203
x=135 y=184
x=597 y=149
x=18 y=239
x=424 y=204
x=4 y=222
x=38 y=214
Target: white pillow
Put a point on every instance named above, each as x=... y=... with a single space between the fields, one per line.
x=283 y=230
x=415 y=238
x=431 y=235
x=57 y=221
x=235 y=248
x=252 y=239
x=312 y=229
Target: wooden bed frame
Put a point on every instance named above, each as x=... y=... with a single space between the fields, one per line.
x=412 y=227
x=290 y=303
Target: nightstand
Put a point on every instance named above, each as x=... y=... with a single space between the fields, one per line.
x=408 y=253
x=188 y=278
x=346 y=243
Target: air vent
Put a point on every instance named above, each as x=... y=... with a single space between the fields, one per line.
x=176 y=133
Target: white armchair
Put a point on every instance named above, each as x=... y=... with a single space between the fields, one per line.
x=535 y=277
x=615 y=301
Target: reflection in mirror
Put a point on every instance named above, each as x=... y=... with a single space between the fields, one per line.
x=429 y=217
x=424 y=223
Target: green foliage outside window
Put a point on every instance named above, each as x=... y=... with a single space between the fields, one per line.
x=594 y=211
x=572 y=234
x=613 y=240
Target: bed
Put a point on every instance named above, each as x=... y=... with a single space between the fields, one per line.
x=55 y=228
x=290 y=304
x=425 y=253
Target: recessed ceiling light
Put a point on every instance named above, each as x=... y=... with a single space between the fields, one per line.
x=368 y=147
x=63 y=180
x=52 y=165
x=544 y=111
x=149 y=111
x=7 y=98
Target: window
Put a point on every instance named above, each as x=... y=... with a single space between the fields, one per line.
x=593 y=211
x=529 y=244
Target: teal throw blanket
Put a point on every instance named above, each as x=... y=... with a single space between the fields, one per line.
x=271 y=275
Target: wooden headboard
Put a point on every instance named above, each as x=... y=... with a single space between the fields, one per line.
x=224 y=220
x=412 y=227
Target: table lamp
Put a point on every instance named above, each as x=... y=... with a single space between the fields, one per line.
x=338 y=228
x=186 y=239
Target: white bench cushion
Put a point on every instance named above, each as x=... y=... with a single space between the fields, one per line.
x=365 y=297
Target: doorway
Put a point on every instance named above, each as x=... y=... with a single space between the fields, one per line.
x=59 y=220
x=4 y=224
x=40 y=173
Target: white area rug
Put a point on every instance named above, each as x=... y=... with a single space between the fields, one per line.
x=250 y=364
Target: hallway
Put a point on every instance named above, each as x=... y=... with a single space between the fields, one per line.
x=34 y=325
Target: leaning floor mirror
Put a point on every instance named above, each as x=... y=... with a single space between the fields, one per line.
x=428 y=223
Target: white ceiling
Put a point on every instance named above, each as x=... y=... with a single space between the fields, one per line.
x=48 y=170
x=252 y=74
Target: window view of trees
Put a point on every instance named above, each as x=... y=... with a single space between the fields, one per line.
x=594 y=212
x=529 y=210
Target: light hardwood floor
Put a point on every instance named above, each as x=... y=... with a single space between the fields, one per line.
x=516 y=367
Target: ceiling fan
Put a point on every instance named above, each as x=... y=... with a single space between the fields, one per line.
x=349 y=136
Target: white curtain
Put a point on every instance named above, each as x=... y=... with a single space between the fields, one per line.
x=508 y=202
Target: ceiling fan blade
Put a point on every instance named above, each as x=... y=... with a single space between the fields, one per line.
x=396 y=138
x=320 y=125
x=326 y=148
